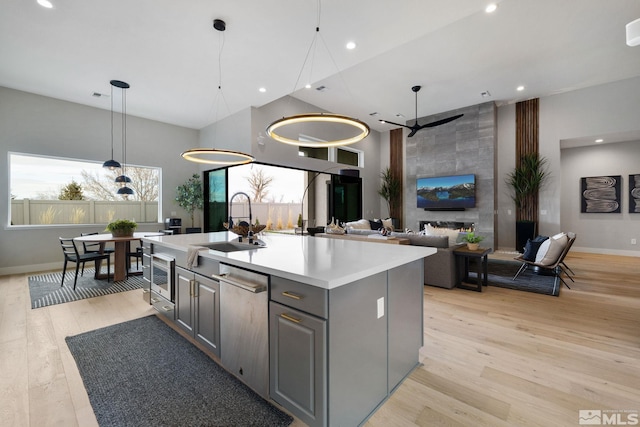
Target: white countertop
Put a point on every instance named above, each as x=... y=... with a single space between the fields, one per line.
x=326 y=263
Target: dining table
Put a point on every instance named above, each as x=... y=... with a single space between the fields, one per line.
x=122 y=246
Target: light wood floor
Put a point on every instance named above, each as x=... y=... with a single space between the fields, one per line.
x=496 y=358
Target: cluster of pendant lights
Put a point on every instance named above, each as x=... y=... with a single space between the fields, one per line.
x=226 y=157
x=112 y=164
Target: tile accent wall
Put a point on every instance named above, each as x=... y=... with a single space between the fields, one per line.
x=465 y=146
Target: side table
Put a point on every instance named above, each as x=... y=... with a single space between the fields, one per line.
x=465 y=255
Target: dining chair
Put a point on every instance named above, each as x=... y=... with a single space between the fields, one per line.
x=94 y=247
x=71 y=254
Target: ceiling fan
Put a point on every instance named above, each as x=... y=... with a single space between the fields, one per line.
x=416 y=127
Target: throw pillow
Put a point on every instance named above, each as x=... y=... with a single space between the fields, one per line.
x=375 y=225
x=532 y=247
x=530 y=250
x=387 y=223
x=556 y=247
x=361 y=224
x=542 y=250
x=435 y=231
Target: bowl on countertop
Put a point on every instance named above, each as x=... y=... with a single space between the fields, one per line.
x=313 y=230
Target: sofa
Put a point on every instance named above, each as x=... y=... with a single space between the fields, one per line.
x=439 y=268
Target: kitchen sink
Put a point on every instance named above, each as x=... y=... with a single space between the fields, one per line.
x=231 y=246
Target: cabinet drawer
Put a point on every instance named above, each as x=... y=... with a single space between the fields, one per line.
x=301 y=296
x=163 y=306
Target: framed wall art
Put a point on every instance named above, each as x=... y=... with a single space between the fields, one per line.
x=600 y=194
x=634 y=193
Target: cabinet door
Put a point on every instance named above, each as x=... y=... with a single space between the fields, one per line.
x=184 y=309
x=298 y=363
x=207 y=313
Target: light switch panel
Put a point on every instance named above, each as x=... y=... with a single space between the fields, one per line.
x=380 y=307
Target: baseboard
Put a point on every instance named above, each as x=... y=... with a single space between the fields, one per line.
x=605 y=251
x=32 y=268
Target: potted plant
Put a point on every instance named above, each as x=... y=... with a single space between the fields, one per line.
x=529 y=175
x=473 y=240
x=389 y=190
x=190 y=196
x=121 y=228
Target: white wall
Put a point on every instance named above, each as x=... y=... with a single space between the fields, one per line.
x=36 y=124
x=611 y=108
x=600 y=232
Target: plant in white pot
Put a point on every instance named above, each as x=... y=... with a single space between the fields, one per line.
x=190 y=196
x=473 y=240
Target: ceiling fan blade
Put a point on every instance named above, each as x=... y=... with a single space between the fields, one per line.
x=413 y=131
x=397 y=124
x=441 y=122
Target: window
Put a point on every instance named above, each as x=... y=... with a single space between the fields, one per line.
x=49 y=190
x=343 y=155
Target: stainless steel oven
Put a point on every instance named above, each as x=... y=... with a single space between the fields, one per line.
x=162 y=288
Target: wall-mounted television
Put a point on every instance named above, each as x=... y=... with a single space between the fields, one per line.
x=454 y=192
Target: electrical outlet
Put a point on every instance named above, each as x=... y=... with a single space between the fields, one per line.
x=543 y=212
x=633 y=241
x=508 y=211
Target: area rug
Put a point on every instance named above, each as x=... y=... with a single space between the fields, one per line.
x=45 y=289
x=501 y=274
x=143 y=373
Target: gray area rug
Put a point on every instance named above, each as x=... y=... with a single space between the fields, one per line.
x=143 y=373
x=45 y=289
x=501 y=273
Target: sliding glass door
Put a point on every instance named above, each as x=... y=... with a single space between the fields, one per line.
x=215 y=206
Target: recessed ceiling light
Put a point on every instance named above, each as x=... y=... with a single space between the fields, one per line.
x=307 y=86
x=45 y=3
x=351 y=45
x=262 y=90
x=599 y=140
x=491 y=8
x=520 y=88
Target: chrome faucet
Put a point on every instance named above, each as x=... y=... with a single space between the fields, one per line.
x=250 y=233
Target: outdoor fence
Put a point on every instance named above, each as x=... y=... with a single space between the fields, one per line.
x=38 y=212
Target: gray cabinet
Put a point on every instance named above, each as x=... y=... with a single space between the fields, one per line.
x=146 y=272
x=336 y=355
x=298 y=363
x=197 y=309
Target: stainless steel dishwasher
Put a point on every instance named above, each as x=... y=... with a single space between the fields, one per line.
x=244 y=326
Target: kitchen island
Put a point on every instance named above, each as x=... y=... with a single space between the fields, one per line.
x=339 y=326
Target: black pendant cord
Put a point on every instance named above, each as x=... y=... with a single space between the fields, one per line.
x=111 y=121
x=124 y=133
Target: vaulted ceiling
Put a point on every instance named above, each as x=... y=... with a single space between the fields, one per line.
x=172 y=57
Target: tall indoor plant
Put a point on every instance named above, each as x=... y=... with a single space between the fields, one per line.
x=525 y=181
x=190 y=196
x=389 y=190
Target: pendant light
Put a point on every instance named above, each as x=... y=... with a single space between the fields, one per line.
x=218 y=156
x=123 y=179
x=317 y=118
x=111 y=164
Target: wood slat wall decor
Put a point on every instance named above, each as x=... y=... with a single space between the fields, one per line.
x=526 y=143
x=526 y=127
x=396 y=166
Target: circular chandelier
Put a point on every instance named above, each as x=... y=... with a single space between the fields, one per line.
x=217 y=156
x=318 y=118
